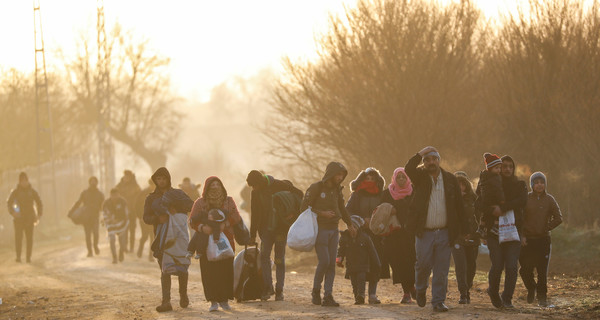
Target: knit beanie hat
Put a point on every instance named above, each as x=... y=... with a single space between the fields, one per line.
x=491 y=160
x=461 y=174
x=256 y=178
x=433 y=153
x=357 y=221
x=535 y=176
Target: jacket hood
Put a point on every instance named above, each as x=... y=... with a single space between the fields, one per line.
x=537 y=175
x=333 y=168
x=467 y=183
x=161 y=172
x=208 y=182
x=379 y=180
x=509 y=158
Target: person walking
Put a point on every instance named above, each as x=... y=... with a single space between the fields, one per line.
x=437 y=219
x=465 y=251
x=25 y=206
x=542 y=215
x=92 y=200
x=129 y=189
x=327 y=201
x=116 y=220
x=399 y=244
x=271 y=233
x=365 y=197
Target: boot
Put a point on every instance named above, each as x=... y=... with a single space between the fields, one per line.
x=530 y=295
x=184 y=301
x=279 y=295
x=164 y=307
x=359 y=300
x=495 y=298
x=463 y=298
x=165 y=284
x=316 y=297
x=329 y=302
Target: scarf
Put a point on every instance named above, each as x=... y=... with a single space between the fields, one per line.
x=368 y=186
x=400 y=192
x=215 y=198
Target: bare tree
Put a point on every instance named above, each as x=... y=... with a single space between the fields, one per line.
x=142 y=112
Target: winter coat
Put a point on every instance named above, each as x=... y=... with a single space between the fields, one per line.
x=456 y=219
x=515 y=195
x=24 y=198
x=150 y=216
x=129 y=191
x=323 y=198
x=361 y=202
x=261 y=209
x=199 y=213
x=92 y=199
x=542 y=214
x=473 y=216
x=359 y=253
x=489 y=188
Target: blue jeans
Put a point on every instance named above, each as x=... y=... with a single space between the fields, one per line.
x=465 y=265
x=326 y=248
x=268 y=239
x=433 y=252
x=504 y=256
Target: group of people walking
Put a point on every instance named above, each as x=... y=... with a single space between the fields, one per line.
x=438 y=215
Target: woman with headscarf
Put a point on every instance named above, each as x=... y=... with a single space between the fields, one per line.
x=365 y=197
x=399 y=244
x=217 y=276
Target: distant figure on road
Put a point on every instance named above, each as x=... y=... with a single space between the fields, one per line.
x=116 y=220
x=92 y=200
x=191 y=189
x=21 y=206
x=129 y=189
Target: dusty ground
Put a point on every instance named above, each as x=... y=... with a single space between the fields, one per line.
x=62 y=283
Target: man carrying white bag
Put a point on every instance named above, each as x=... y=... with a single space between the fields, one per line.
x=323 y=206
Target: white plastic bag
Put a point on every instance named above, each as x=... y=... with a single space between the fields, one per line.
x=507 y=230
x=303 y=232
x=220 y=250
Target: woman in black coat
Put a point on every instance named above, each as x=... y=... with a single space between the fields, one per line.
x=399 y=244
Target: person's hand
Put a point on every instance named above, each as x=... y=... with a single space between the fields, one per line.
x=523 y=241
x=426 y=150
x=328 y=214
x=207 y=229
x=352 y=230
x=339 y=262
x=496 y=211
x=163 y=218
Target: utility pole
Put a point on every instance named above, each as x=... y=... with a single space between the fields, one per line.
x=43 y=121
x=106 y=159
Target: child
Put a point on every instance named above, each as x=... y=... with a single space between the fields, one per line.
x=542 y=214
x=173 y=201
x=199 y=242
x=489 y=189
x=362 y=263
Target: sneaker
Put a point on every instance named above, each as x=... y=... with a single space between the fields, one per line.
x=542 y=302
x=278 y=295
x=530 y=296
x=316 y=297
x=213 y=307
x=359 y=300
x=164 y=307
x=225 y=305
x=440 y=307
x=189 y=255
x=265 y=297
x=507 y=304
x=329 y=302
x=184 y=301
x=406 y=299
x=421 y=299
x=374 y=300
x=495 y=299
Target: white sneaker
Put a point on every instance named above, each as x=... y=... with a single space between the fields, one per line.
x=213 y=307
x=225 y=305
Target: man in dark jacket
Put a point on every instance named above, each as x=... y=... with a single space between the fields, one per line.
x=327 y=201
x=129 y=190
x=92 y=200
x=21 y=206
x=438 y=220
x=162 y=180
x=262 y=220
x=504 y=256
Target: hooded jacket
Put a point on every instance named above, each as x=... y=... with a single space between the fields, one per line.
x=24 y=198
x=360 y=254
x=361 y=202
x=261 y=203
x=515 y=195
x=473 y=216
x=92 y=199
x=456 y=220
x=150 y=217
x=320 y=197
x=129 y=191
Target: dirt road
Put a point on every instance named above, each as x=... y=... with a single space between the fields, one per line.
x=62 y=283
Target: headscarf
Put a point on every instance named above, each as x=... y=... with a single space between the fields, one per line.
x=214 y=197
x=400 y=192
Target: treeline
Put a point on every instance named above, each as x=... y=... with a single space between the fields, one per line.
x=395 y=76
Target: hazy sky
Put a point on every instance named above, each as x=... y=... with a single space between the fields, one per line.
x=208 y=41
